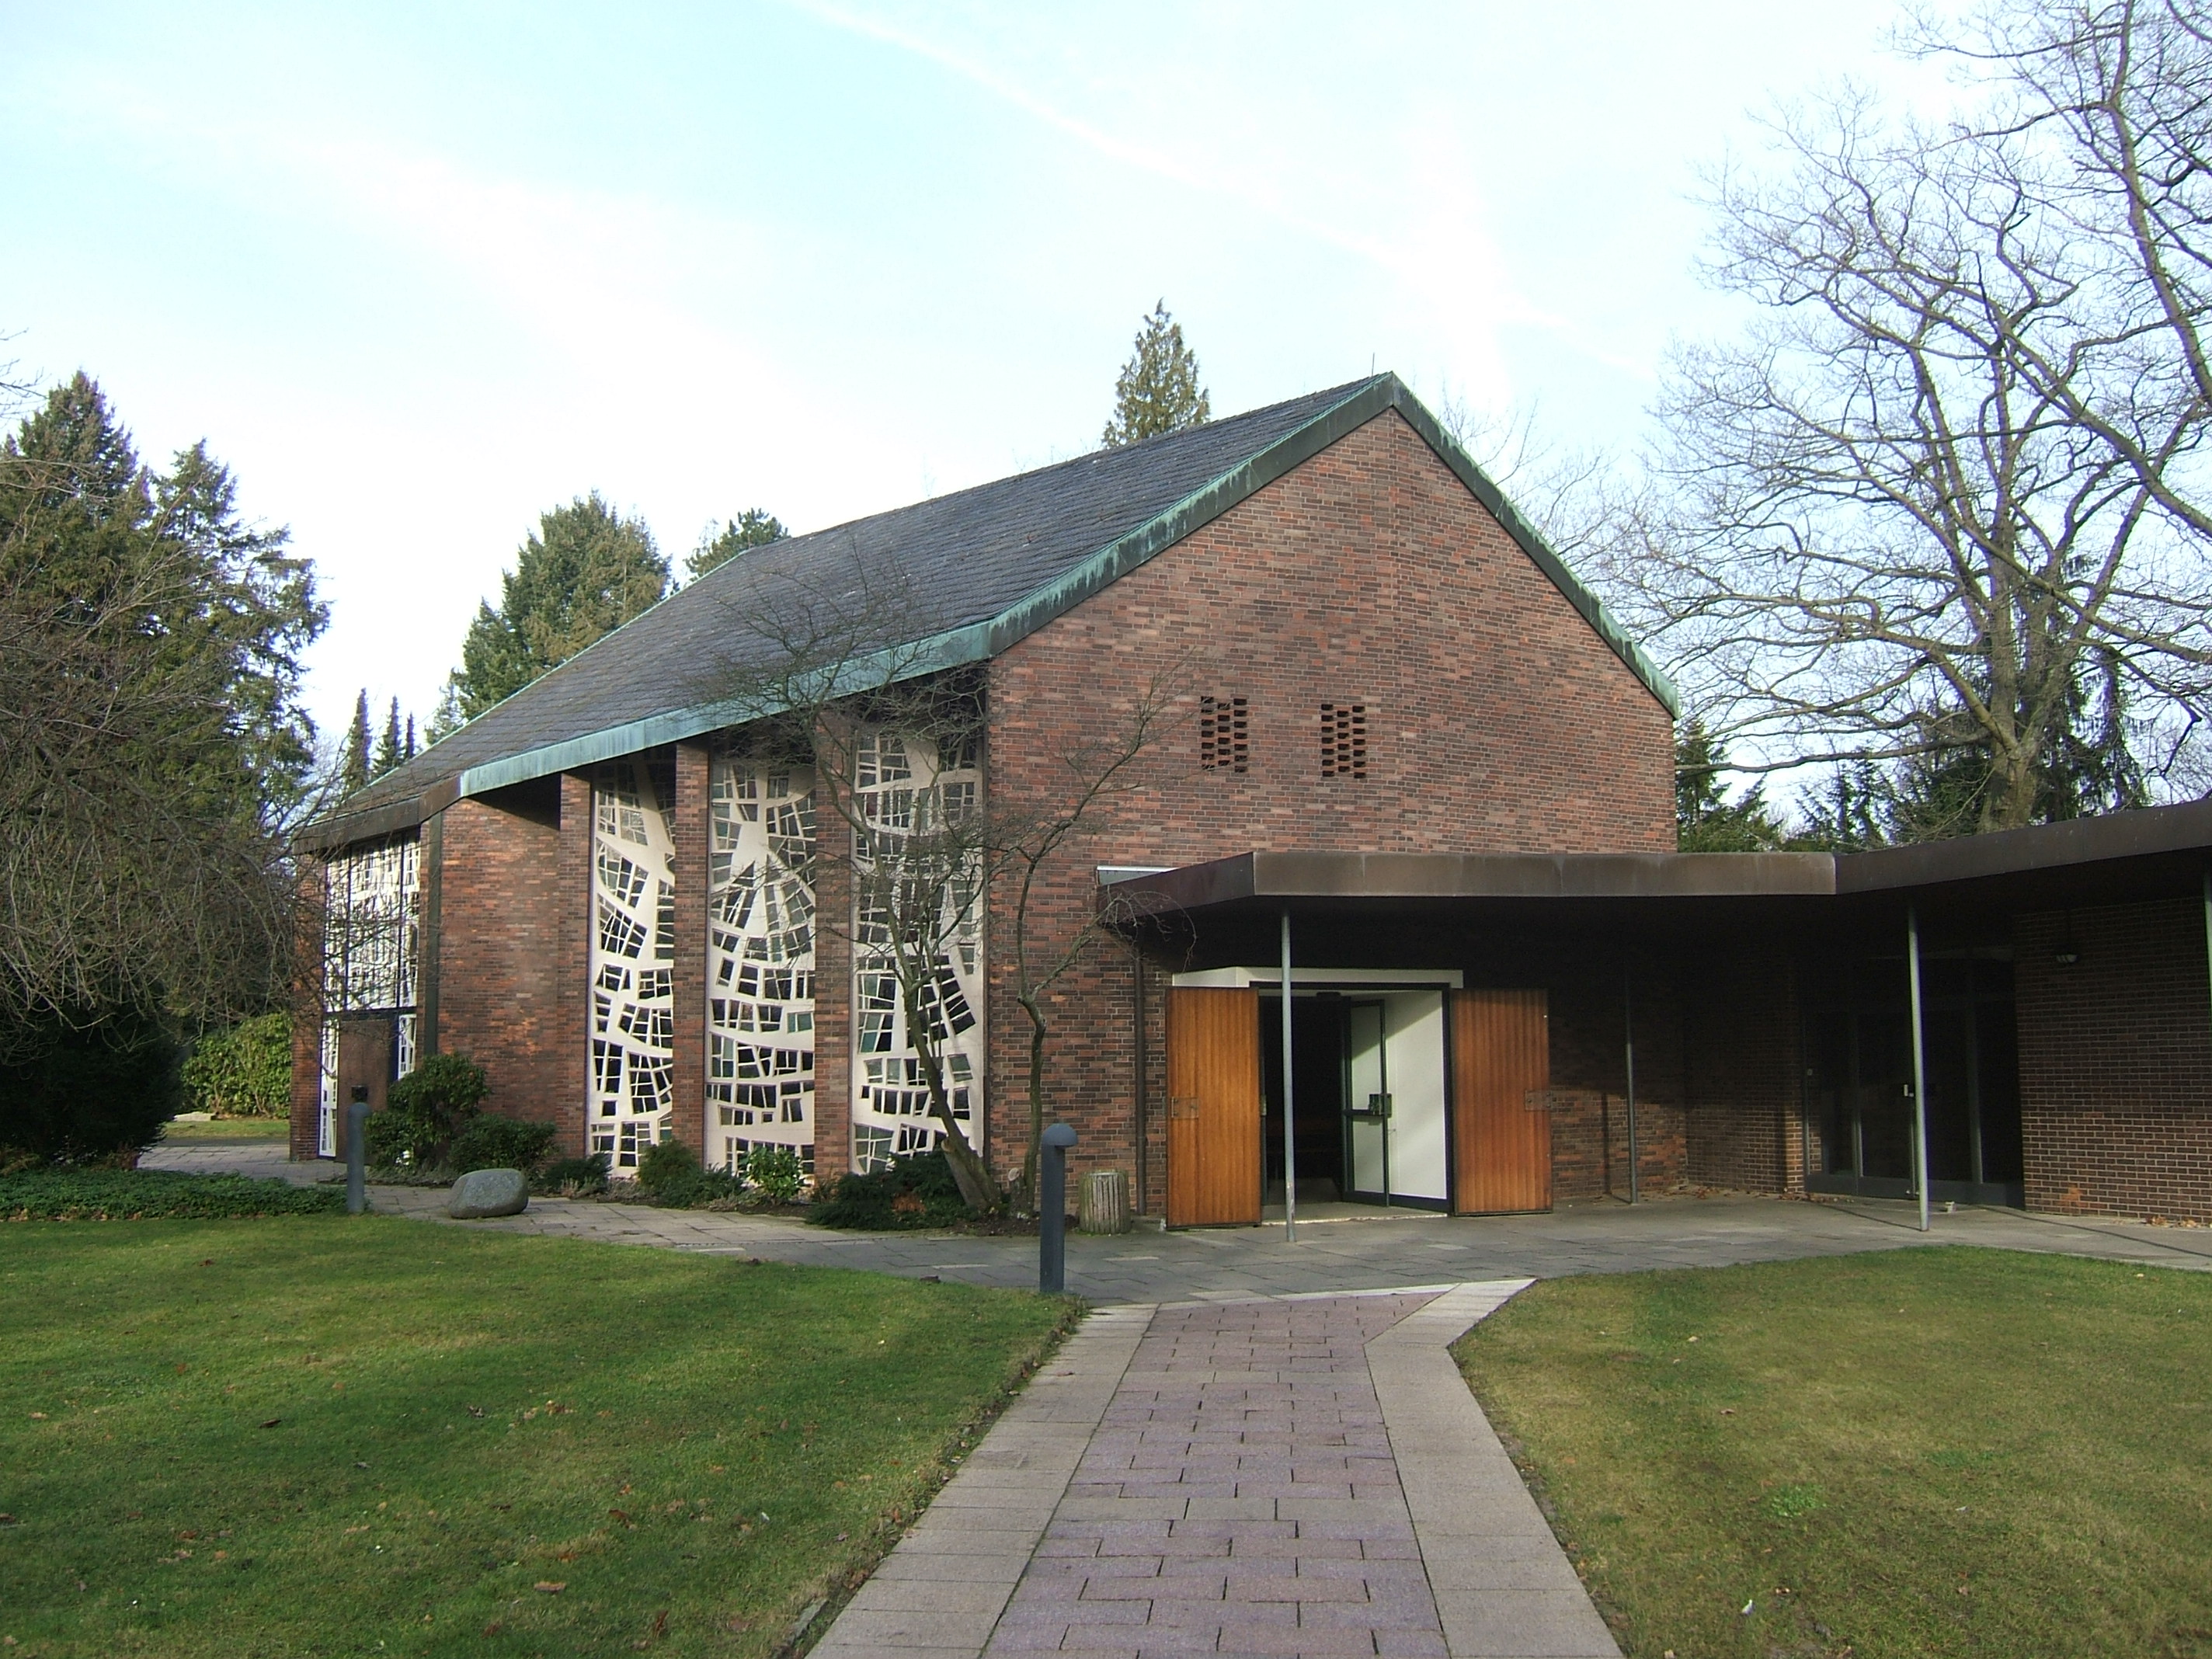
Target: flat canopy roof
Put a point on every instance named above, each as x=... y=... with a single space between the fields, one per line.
x=2157 y=852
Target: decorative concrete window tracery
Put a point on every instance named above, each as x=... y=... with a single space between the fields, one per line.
x=372 y=926
x=632 y=948
x=909 y=871
x=760 y=959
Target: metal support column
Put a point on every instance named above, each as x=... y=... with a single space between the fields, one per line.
x=2207 y=930
x=1628 y=1021
x=1919 y=1062
x=1289 y=1106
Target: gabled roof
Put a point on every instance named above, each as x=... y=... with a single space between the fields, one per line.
x=1002 y=559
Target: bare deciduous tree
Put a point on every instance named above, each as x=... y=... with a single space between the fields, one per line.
x=1945 y=499
x=1025 y=841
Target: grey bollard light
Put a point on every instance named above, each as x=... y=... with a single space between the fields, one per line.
x=1052 y=1211
x=356 y=1128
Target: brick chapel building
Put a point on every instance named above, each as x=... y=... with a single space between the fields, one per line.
x=1410 y=750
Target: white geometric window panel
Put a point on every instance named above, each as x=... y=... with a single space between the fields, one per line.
x=760 y=960
x=633 y=952
x=903 y=782
x=372 y=929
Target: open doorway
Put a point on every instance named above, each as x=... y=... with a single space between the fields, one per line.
x=1369 y=1097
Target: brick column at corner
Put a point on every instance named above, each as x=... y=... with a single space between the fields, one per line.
x=688 y=1074
x=308 y=1014
x=572 y=1026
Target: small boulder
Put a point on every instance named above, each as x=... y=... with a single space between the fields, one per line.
x=483 y=1192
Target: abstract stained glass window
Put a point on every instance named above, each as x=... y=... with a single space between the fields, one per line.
x=913 y=878
x=633 y=952
x=760 y=959
x=372 y=922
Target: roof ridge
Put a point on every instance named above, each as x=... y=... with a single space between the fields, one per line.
x=1331 y=415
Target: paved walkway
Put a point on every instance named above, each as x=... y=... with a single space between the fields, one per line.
x=1301 y=1475
x=1371 y=1253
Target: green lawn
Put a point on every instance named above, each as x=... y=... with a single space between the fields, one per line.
x=373 y=1435
x=1922 y=1452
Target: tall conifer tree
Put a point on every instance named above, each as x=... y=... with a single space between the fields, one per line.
x=353 y=769
x=1159 y=390
x=585 y=572
x=391 y=749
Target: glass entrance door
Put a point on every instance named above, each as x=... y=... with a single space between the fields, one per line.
x=1858 y=1083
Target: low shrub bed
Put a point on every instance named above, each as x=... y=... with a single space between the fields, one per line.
x=768 y=1177
x=149 y=1194
x=912 y=1192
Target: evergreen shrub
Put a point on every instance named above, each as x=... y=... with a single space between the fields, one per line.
x=574 y=1177
x=83 y=1194
x=88 y=1087
x=500 y=1143
x=776 y=1174
x=424 y=1110
x=912 y=1193
x=670 y=1174
x=243 y=1071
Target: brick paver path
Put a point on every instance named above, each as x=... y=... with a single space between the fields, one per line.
x=1240 y=1497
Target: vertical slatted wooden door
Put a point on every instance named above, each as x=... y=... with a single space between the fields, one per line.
x=1502 y=1135
x=1213 y=1106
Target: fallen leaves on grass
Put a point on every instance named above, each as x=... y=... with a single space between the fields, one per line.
x=550 y=1586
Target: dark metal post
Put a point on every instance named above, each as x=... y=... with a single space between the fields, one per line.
x=2208 y=927
x=1052 y=1211
x=1289 y=1106
x=1919 y=1062
x=1628 y=1022
x=356 y=1127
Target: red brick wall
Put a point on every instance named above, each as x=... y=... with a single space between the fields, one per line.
x=1589 y=1146
x=509 y=973
x=1497 y=721
x=833 y=999
x=1742 y=1091
x=307 y=1014
x=688 y=978
x=2116 y=1061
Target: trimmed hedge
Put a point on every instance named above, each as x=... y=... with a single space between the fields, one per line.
x=155 y=1194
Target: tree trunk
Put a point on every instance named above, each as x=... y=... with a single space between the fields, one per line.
x=970 y=1173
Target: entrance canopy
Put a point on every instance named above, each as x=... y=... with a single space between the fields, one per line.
x=1379 y=908
x=1880 y=1023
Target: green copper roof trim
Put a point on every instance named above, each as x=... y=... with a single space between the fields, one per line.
x=979 y=641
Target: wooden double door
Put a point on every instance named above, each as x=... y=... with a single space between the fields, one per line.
x=1497 y=1066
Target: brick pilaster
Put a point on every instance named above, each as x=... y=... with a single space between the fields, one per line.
x=430 y=872
x=572 y=1023
x=833 y=996
x=688 y=1121
x=308 y=1010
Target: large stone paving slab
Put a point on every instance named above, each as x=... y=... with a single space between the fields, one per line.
x=1232 y=1263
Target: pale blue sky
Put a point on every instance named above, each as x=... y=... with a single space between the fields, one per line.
x=418 y=272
